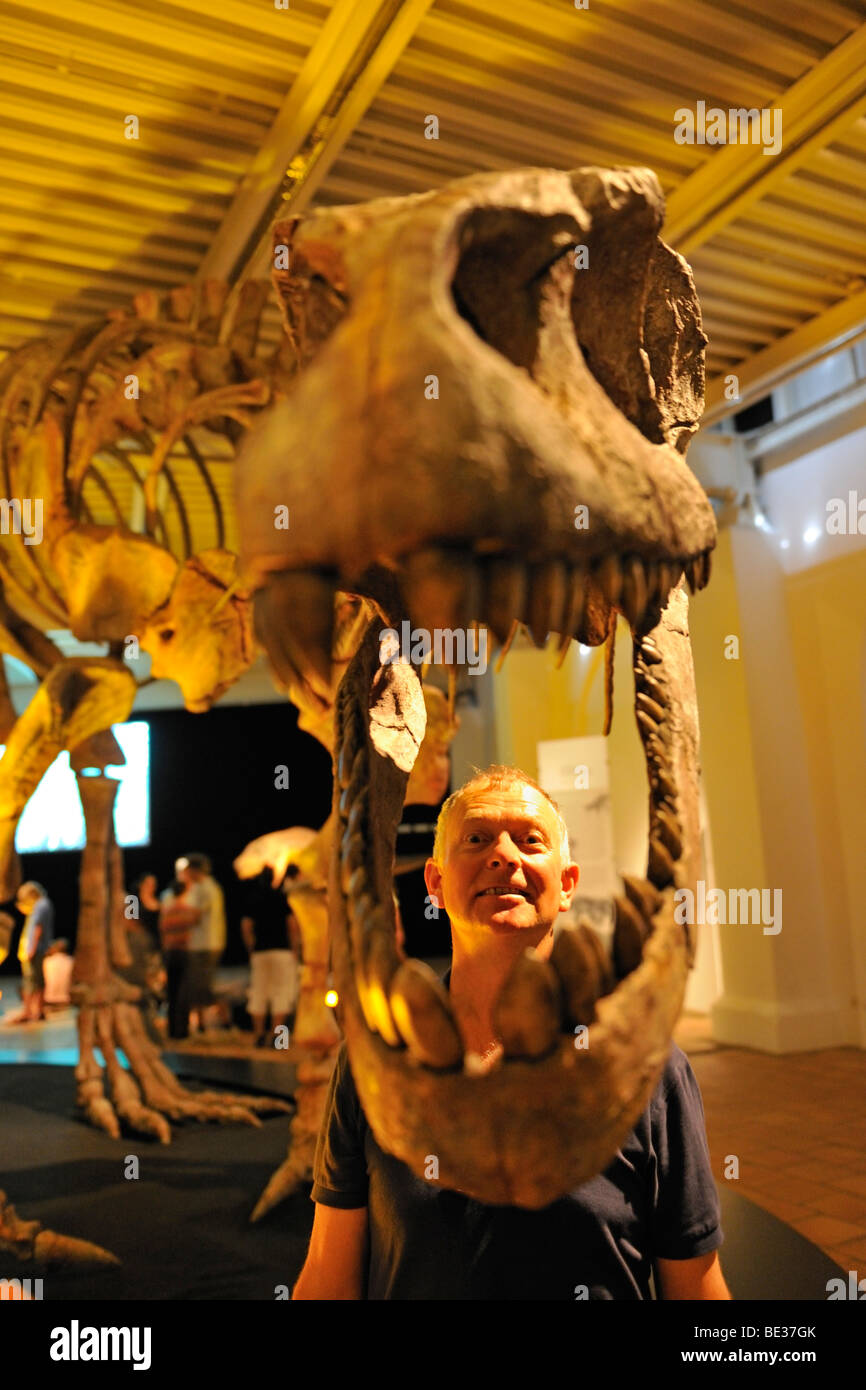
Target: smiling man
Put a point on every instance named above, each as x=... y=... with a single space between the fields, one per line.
x=503 y=871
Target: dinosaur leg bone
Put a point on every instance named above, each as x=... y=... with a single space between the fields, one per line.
x=144 y=1094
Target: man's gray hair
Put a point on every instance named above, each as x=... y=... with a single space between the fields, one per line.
x=488 y=779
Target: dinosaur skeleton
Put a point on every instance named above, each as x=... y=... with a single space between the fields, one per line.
x=108 y=415
x=68 y=418
x=555 y=387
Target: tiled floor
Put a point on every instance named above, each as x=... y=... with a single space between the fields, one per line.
x=797 y=1125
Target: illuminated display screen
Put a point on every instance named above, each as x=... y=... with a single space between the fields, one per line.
x=53 y=818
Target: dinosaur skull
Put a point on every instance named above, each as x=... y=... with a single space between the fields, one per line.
x=497 y=384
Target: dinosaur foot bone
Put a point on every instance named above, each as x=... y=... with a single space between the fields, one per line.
x=147 y=1095
x=27 y=1240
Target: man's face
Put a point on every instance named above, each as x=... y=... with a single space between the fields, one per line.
x=502 y=868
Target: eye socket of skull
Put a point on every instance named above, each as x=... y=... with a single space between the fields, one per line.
x=634 y=310
x=499 y=284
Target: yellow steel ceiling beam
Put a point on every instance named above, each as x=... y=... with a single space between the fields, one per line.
x=815 y=110
x=358 y=46
x=842 y=324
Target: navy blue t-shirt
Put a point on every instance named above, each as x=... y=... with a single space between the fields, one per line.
x=656 y=1199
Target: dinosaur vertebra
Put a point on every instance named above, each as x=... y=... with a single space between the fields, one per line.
x=554 y=391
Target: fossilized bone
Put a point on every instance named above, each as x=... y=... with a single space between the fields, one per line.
x=557 y=388
x=98 y=414
x=28 y=1240
x=316 y=1034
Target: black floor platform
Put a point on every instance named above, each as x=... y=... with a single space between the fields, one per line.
x=182 y=1228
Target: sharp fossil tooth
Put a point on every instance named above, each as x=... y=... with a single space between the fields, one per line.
x=562 y=653
x=645 y=897
x=634 y=589
x=669 y=832
x=351 y=858
x=359 y=774
x=592 y=941
x=653 y=688
x=629 y=934
x=344 y=765
x=651 y=568
x=441 y=588
x=504 y=595
x=655 y=711
x=357 y=815
x=358 y=884
x=547 y=595
x=380 y=963
x=661 y=866
x=647 y=723
x=691 y=577
x=422 y=1012
x=527 y=1015
x=651 y=655
x=361 y=912
x=706 y=567
x=578 y=967
x=666 y=785
x=575 y=599
x=608 y=577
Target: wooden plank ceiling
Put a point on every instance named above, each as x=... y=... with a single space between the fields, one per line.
x=245 y=108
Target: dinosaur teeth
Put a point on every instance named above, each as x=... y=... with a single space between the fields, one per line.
x=351 y=858
x=421 y=1010
x=652 y=687
x=608 y=576
x=379 y=964
x=661 y=866
x=449 y=588
x=505 y=592
x=645 y=897
x=443 y=586
x=634 y=589
x=650 y=707
x=583 y=971
x=528 y=1012
x=669 y=832
x=647 y=723
x=629 y=934
x=698 y=571
x=575 y=600
x=548 y=594
x=706 y=568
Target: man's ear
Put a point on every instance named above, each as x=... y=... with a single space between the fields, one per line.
x=570 y=877
x=433 y=880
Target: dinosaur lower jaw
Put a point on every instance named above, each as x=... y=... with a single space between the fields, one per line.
x=581 y=1053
